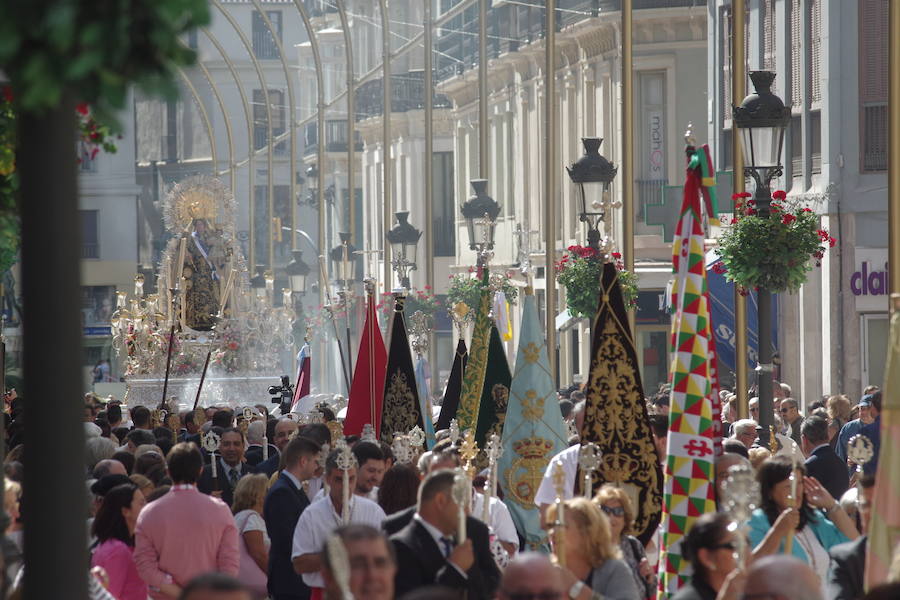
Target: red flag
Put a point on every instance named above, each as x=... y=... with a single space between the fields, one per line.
x=302 y=387
x=367 y=388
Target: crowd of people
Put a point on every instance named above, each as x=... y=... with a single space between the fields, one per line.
x=171 y=521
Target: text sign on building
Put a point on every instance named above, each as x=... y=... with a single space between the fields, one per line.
x=869 y=280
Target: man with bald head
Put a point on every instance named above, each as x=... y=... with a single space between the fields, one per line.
x=532 y=575
x=284 y=431
x=108 y=466
x=782 y=577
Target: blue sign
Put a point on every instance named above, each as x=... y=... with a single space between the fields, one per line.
x=721 y=298
x=105 y=331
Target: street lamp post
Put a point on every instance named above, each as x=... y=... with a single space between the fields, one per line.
x=593 y=173
x=403 y=239
x=761 y=120
x=480 y=212
x=343 y=262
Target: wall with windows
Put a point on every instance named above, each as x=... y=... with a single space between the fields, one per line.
x=830 y=57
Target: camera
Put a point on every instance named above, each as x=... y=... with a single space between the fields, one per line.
x=282 y=394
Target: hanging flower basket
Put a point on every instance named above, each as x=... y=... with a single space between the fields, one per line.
x=580 y=270
x=416 y=300
x=466 y=288
x=771 y=252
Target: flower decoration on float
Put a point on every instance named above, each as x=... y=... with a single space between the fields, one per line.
x=774 y=251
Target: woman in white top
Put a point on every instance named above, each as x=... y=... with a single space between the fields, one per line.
x=247 y=507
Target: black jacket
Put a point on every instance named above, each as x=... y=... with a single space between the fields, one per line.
x=254 y=454
x=421 y=563
x=398 y=520
x=205 y=483
x=827 y=467
x=269 y=466
x=845 y=573
x=281 y=511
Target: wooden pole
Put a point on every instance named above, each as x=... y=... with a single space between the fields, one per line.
x=162 y=403
x=202 y=379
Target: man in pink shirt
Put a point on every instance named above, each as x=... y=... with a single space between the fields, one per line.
x=184 y=533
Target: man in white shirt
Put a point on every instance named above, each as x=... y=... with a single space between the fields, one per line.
x=370 y=459
x=499 y=520
x=324 y=516
x=546 y=493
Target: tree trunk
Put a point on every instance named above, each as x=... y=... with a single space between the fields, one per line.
x=56 y=508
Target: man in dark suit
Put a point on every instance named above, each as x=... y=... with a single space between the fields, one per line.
x=256 y=433
x=230 y=467
x=285 y=429
x=281 y=510
x=822 y=462
x=427 y=553
x=848 y=560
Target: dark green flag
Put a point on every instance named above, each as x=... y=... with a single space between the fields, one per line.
x=400 y=410
x=450 y=403
x=495 y=392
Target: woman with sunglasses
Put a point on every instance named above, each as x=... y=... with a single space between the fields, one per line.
x=710 y=547
x=616 y=505
x=593 y=562
x=817 y=523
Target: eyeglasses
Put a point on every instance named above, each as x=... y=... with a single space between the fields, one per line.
x=724 y=546
x=613 y=511
x=785 y=410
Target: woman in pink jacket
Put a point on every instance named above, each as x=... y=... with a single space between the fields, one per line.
x=114 y=530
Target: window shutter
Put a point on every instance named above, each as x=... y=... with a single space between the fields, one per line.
x=726 y=62
x=796 y=45
x=873 y=83
x=815 y=50
x=769 y=39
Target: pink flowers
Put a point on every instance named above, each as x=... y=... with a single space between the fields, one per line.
x=779 y=195
x=788 y=218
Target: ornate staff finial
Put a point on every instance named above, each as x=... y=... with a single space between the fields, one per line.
x=403 y=453
x=589 y=461
x=468 y=451
x=416 y=437
x=340 y=565
x=368 y=433
x=345 y=461
x=860 y=450
x=773 y=440
x=462 y=495
x=157 y=418
x=454 y=432
x=210 y=442
x=493 y=450
x=741 y=497
x=247 y=413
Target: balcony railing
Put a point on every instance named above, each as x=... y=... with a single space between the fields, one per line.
x=335 y=137
x=649 y=191
x=407 y=93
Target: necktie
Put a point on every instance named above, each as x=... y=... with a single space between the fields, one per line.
x=233 y=477
x=447 y=544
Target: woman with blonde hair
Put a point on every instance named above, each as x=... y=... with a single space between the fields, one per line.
x=247 y=507
x=593 y=561
x=616 y=505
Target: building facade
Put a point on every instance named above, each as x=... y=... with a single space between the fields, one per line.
x=830 y=58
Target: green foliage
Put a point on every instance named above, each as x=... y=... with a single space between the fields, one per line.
x=9 y=185
x=467 y=289
x=416 y=300
x=94 y=49
x=580 y=270
x=772 y=252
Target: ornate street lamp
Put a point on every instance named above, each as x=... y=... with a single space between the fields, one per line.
x=258 y=281
x=343 y=261
x=403 y=238
x=480 y=212
x=761 y=120
x=297 y=272
x=593 y=173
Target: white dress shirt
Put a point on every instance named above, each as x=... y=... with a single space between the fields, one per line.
x=500 y=521
x=317 y=522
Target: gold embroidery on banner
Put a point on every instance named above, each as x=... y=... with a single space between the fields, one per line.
x=525 y=473
x=614 y=422
x=473 y=381
x=532 y=353
x=401 y=412
x=532 y=406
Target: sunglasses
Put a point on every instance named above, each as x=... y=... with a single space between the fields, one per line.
x=785 y=410
x=613 y=511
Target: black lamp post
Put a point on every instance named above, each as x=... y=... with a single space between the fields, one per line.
x=343 y=261
x=480 y=212
x=258 y=281
x=403 y=238
x=297 y=271
x=761 y=120
x=593 y=173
